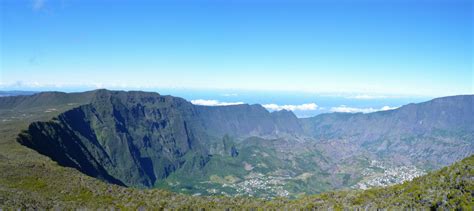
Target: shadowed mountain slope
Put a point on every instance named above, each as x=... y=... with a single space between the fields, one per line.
x=136 y=138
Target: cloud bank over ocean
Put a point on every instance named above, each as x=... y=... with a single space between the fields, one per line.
x=302 y=107
x=297 y=107
x=213 y=103
x=346 y=109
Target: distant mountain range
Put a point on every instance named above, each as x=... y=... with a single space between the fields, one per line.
x=143 y=139
x=15 y=93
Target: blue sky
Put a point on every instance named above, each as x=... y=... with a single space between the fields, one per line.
x=389 y=47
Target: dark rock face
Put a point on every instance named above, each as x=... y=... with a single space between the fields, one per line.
x=136 y=138
x=247 y=120
x=139 y=138
x=64 y=146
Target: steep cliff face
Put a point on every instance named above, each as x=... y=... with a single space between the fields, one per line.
x=244 y=121
x=137 y=138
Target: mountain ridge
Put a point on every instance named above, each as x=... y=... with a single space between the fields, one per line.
x=143 y=139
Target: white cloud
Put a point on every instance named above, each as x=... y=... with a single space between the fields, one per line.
x=38 y=4
x=213 y=103
x=345 y=109
x=386 y=108
x=302 y=107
